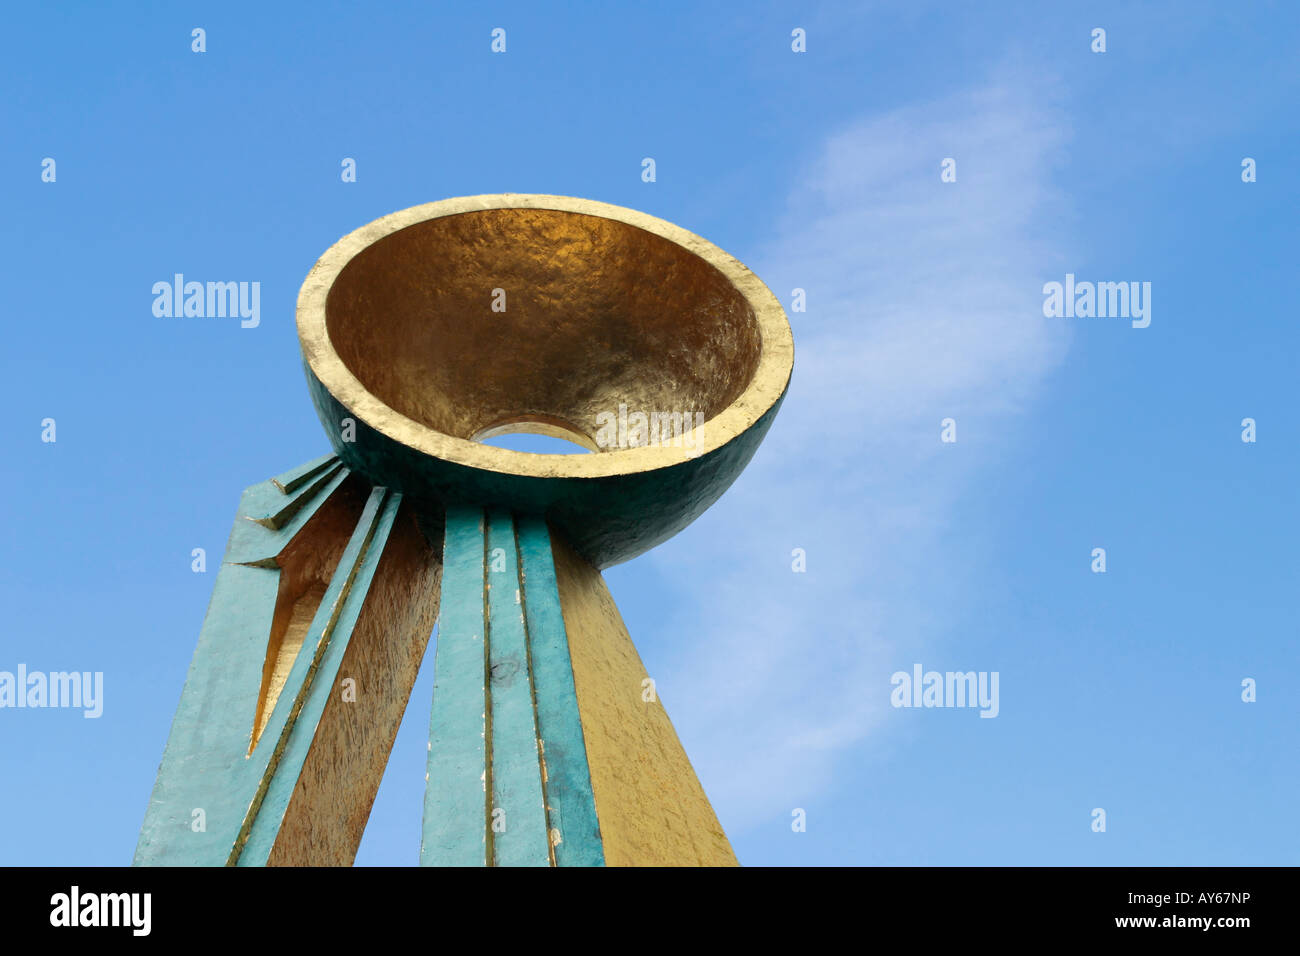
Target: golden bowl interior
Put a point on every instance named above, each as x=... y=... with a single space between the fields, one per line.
x=527 y=319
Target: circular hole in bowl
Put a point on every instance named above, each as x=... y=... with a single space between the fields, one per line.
x=538 y=437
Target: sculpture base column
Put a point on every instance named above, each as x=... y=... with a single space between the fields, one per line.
x=318 y=621
x=548 y=745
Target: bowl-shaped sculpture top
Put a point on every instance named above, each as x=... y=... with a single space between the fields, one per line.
x=437 y=326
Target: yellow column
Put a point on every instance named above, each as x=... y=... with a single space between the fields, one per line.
x=651 y=806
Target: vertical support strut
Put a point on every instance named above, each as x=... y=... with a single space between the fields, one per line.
x=456 y=810
x=574 y=829
x=505 y=727
x=313 y=637
x=520 y=836
x=542 y=748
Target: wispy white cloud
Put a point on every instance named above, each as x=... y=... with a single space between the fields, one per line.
x=924 y=303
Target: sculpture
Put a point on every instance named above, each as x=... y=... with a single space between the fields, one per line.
x=423 y=333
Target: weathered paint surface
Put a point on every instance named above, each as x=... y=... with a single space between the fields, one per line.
x=500 y=589
x=570 y=805
x=295 y=478
x=456 y=810
x=519 y=833
x=207 y=777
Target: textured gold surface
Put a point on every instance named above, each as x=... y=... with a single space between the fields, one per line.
x=603 y=306
x=327 y=813
x=306 y=566
x=282 y=651
x=652 y=809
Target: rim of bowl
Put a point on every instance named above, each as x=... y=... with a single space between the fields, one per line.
x=765 y=388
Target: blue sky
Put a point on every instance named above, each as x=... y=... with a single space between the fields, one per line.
x=820 y=170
